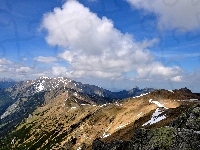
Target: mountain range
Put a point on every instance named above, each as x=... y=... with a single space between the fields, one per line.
x=6 y=82
x=60 y=113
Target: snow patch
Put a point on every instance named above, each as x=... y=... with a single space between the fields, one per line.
x=155 y=117
x=40 y=87
x=103 y=105
x=139 y=114
x=122 y=126
x=73 y=107
x=75 y=94
x=157 y=103
x=193 y=99
x=79 y=148
x=44 y=77
x=171 y=91
x=105 y=135
x=84 y=104
x=117 y=104
x=143 y=94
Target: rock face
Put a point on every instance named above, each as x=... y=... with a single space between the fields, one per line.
x=182 y=134
x=20 y=109
x=161 y=138
x=188 y=120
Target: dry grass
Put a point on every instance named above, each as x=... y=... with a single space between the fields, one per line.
x=85 y=123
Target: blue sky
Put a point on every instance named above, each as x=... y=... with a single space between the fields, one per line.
x=116 y=44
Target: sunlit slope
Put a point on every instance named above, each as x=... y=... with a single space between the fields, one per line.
x=66 y=121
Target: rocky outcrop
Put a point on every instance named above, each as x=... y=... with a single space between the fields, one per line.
x=188 y=120
x=161 y=138
x=182 y=134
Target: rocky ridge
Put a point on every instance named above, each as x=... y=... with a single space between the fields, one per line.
x=183 y=133
x=59 y=113
x=21 y=99
x=30 y=87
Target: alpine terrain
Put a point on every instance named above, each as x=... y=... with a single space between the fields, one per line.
x=60 y=113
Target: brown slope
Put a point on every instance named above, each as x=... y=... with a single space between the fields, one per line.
x=128 y=132
x=58 y=124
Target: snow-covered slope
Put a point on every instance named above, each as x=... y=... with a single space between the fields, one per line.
x=156 y=117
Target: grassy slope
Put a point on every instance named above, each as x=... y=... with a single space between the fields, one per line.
x=57 y=126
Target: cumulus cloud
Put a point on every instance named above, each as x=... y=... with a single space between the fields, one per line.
x=59 y=70
x=177 y=79
x=94 y=47
x=157 y=70
x=13 y=70
x=4 y=61
x=172 y=13
x=23 y=70
x=6 y=67
x=3 y=68
x=45 y=59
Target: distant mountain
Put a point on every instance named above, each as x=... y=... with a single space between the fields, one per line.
x=6 y=82
x=48 y=84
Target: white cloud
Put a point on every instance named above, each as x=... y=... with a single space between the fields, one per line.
x=45 y=59
x=59 y=71
x=2 y=68
x=177 y=79
x=157 y=70
x=23 y=70
x=4 y=61
x=93 y=47
x=184 y=14
x=13 y=70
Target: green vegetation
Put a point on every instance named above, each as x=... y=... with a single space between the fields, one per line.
x=162 y=137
